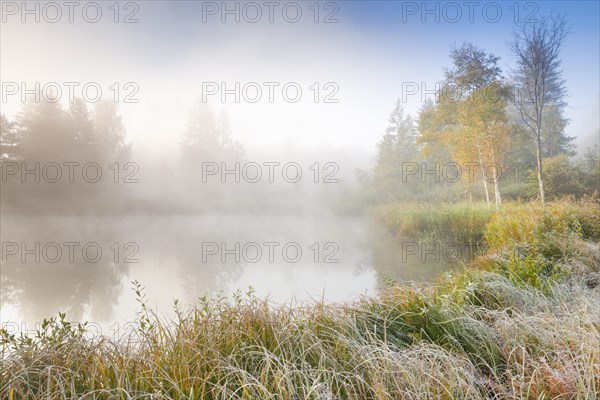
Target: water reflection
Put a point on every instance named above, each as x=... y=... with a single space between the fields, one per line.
x=185 y=257
x=410 y=259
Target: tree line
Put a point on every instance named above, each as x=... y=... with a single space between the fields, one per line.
x=45 y=136
x=488 y=135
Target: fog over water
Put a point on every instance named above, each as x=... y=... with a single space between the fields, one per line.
x=186 y=256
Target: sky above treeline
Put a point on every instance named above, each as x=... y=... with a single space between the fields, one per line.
x=350 y=59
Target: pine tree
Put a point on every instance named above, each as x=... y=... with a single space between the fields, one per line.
x=405 y=133
x=231 y=149
x=83 y=125
x=109 y=133
x=208 y=139
x=554 y=139
x=9 y=140
x=398 y=146
x=46 y=132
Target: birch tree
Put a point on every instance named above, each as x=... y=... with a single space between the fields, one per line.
x=538 y=76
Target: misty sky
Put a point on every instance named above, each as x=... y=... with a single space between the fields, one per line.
x=368 y=54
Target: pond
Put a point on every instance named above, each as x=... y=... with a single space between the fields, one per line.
x=85 y=266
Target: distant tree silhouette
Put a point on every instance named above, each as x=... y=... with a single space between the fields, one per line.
x=82 y=123
x=397 y=146
x=10 y=148
x=208 y=139
x=110 y=133
x=554 y=140
x=46 y=132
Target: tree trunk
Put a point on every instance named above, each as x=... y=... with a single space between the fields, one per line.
x=485 y=186
x=496 y=183
x=497 y=190
x=539 y=166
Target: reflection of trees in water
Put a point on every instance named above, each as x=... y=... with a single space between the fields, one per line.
x=199 y=278
x=41 y=289
x=203 y=278
x=172 y=246
x=408 y=259
x=196 y=277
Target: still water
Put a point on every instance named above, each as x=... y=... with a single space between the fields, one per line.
x=85 y=265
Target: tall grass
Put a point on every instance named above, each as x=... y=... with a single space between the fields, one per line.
x=458 y=222
x=489 y=332
x=476 y=222
x=527 y=222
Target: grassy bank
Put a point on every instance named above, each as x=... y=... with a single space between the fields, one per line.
x=476 y=222
x=460 y=222
x=522 y=322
